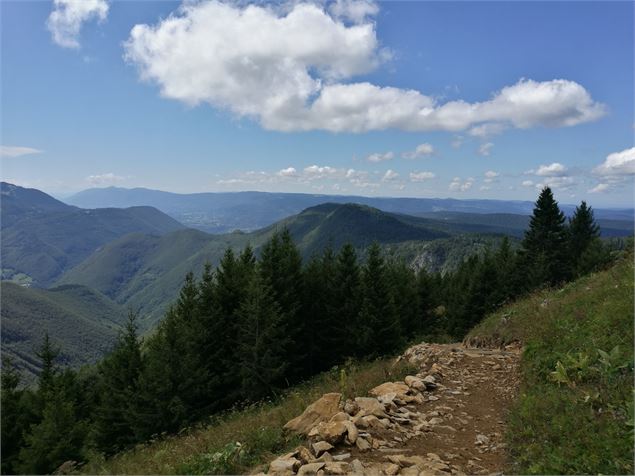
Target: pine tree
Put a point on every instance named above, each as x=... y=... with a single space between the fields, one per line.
x=427 y=301
x=281 y=269
x=347 y=301
x=47 y=353
x=404 y=292
x=116 y=414
x=263 y=344
x=378 y=323
x=13 y=427
x=57 y=438
x=587 y=251
x=544 y=248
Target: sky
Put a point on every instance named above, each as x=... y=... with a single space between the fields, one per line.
x=420 y=98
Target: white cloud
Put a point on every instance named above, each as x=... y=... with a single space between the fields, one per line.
x=380 y=157
x=288 y=172
x=487 y=130
x=67 y=17
x=618 y=163
x=355 y=11
x=490 y=176
x=390 y=176
x=421 y=151
x=563 y=182
x=458 y=186
x=287 y=68
x=552 y=170
x=599 y=188
x=421 y=176
x=485 y=187
x=315 y=172
x=104 y=179
x=528 y=183
x=16 y=151
x=485 y=149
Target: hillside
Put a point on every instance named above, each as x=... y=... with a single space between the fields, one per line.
x=576 y=422
x=42 y=237
x=248 y=211
x=575 y=410
x=81 y=322
x=146 y=272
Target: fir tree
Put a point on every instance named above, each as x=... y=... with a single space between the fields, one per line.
x=263 y=345
x=587 y=251
x=347 y=301
x=379 y=327
x=544 y=248
x=116 y=416
x=13 y=427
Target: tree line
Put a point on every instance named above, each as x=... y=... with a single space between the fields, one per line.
x=254 y=326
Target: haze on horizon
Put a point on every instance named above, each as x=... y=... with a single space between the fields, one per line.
x=347 y=97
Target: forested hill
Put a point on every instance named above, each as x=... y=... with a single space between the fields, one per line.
x=42 y=237
x=145 y=272
x=82 y=322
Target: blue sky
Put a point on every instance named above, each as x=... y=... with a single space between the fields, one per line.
x=428 y=99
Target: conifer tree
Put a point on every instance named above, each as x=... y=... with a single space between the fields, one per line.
x=404 y=292
x=544 y=247
x=13 y=427
x=116 y=414
x=347 y=301
x=379 y=327
x=281 y=269
x=57 y=438
x=264 y=344
x=587 y=251
x=47 y=353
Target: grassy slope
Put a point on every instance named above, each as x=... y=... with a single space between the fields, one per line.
x=258 y=428
x=80 y=321
x=577 y=418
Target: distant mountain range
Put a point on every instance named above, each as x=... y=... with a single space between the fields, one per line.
x=228 y=211
x=106 y=260
x=43 y=237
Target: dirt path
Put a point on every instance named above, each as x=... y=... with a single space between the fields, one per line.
x=452 y=425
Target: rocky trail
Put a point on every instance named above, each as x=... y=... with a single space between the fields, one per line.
x=447 y=418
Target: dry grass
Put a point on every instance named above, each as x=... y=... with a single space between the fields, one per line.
x=258 y=428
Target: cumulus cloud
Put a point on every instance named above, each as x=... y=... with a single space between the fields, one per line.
x=490 y=176
x=104 y=179
x=315 y=172
x=617 y=164
x=290 y=69
x=68 y=16
x=487 y=130
x=485 y=149
x=288 y=172
x=380 y=157
x=421 y=176
x=390 y=176
x=457 y=185
x=563 y=182
x=16 y=151
x=552 y=170
x=421 y=150
x=528 y=183
x=599 y=188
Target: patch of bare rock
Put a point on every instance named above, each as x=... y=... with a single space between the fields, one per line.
x=447 y=419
